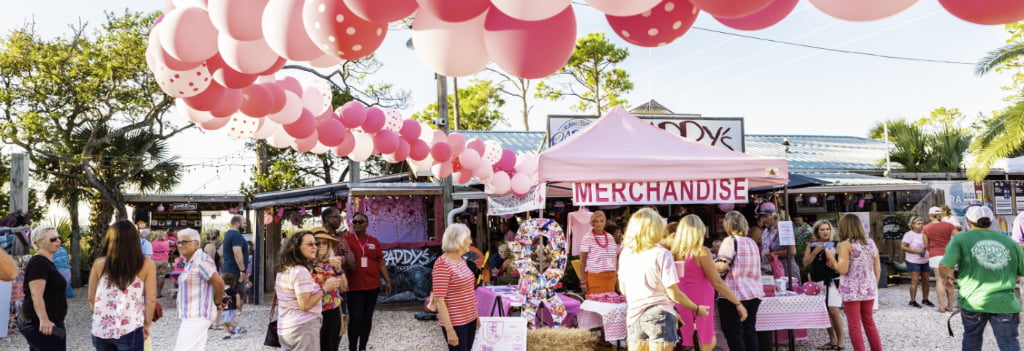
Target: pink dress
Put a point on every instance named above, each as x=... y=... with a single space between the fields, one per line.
x=698 y=288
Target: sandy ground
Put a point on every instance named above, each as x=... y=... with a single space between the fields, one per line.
x=901 y=327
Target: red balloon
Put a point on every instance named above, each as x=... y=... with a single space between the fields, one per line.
x=455 y=10
x=279 y=96
x=339 y=32
x=663 y=24
x=386 y=141
x=302 y=127
x=382 y=11
x=527 y=49
x=229 y=104
x=764 y=18
x=731 y=8
x=276 y=67
x=208 y=99
x=986 y=11
x=441 y=152
x=348 y=143
x=374 y=120
x=419 y=150
x=256 y=101
x=410 y=130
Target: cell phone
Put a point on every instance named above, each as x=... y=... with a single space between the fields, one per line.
x=59 y=332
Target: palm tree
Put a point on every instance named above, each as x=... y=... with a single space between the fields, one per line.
x=1002 y=135
x=999 y=57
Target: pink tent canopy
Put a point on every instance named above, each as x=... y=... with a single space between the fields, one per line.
x=622 y=148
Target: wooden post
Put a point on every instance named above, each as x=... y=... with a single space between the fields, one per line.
x=19 y=195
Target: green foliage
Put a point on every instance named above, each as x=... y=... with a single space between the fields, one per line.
x=591 y=76
x=479 y=107
x=1002 y=135
x=934 y=143
x=284 y=173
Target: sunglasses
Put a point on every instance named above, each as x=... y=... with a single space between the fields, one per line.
x=183 y=242
x=358 y=222
x=54 y=239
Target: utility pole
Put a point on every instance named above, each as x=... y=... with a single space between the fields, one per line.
x=19 y=195
x=442 y=124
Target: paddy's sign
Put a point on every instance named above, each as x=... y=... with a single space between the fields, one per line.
x=723 y=132
x=706 y=191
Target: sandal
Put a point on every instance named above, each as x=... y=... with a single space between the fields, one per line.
x=829 y=346
x=838 y=348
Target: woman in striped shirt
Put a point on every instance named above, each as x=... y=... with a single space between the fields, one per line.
x=299 y=310
x=452 y=292
x=740 y=259
x=600 y=257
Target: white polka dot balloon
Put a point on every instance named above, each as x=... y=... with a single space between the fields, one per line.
x=241 y=126
x=183 y=84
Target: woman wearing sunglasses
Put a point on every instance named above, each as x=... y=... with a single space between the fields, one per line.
x=299 y=297
x=364 y=282
x=46 y=304
x=327 y=266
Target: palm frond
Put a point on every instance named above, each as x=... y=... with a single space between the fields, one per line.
x=998 y=57
x=1009 y=139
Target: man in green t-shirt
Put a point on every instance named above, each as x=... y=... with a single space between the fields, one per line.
x=990 y=265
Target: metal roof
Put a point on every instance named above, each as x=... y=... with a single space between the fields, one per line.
x=519 y=141
x=821 y=153
x=853 y=182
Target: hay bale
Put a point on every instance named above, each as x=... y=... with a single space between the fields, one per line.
x=560 y=339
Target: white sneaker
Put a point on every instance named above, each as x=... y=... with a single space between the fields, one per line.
x=225 y=337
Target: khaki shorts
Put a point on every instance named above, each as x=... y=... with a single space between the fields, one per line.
x=163 y=268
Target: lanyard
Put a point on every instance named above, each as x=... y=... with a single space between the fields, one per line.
x=362 y=245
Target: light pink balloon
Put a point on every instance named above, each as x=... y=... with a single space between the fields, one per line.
x=664 y=23
x=239 y=19
x=303 y=127
x=764 y=18
x=441 y=170
x=419 y=150
x=315 y=100
x=457 y=141
x=291 y=84
x=325 y=61
x=338 y=31
x=352 y=113
x=156 y=52
x=469 y=159
x=229 y=103
x=500 y=183
x=305 y=144
x=348 y=142
x=477 y=145
x=441 y=152
x=276 y=67
x=290 y=112
x=279 y=97
x=861 y=10
x=986 y=12
x=382 y=11
x=284 y=31
x=216 y=123
x=531 y=10
x=257 y=101
x=454 y=10
x=190 y=114
x=188 y=35
x=374 y=120
x=266 y=129
x=208 y=99
x=521 y=183
x=623 y=8
x=410 y=130
x=363 y=148
x=530 y=50
x=730 y=8
x=280 y=139
x=483 y=172
x=453 y=49
x=249 y=57
x=385 y=141
x=526 y=164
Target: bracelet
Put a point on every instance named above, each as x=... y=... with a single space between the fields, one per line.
x=583 y=281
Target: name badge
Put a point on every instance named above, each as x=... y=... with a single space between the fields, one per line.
x=363 y=262
x=371 y=246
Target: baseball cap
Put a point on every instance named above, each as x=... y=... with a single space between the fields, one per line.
x=976 y=213
x=766 y=207
x=934 y=210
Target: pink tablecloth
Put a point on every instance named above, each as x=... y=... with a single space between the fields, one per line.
x=610 y=316
x=486 y=296
x=792 y=312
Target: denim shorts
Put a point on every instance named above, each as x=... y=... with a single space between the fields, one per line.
x=654 y=325
x=919 y=267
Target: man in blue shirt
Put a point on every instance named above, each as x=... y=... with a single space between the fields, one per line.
x=235 y=256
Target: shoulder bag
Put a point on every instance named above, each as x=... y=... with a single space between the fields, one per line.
x=272 y=339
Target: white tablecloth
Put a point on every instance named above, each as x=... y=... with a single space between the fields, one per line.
x=610 y=316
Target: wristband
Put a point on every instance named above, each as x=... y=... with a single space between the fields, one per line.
x=583 y=281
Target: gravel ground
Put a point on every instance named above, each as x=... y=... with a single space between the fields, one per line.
x=901 y=327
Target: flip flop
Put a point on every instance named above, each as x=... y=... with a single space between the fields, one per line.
x=828 y=346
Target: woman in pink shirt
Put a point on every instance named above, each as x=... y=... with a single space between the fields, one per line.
x=161 y=252
x=917 y=261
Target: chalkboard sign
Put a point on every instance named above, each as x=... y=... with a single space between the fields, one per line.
x=409 y=269
x=891 y=228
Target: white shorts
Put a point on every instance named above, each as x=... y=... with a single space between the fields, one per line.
x=192 y=335
x=934 y=262
x=226 y=316
x=833 y=299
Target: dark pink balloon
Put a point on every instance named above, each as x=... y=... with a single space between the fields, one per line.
x=455 y=10
x=229 y=104
x=302 y=127
x=477 y=145
x=278 y=94
x=762 y=19
x=257 y=101
x=410 y=130
x=208 y=99
x=348 y=143
x=227 y=76
x=530 y=50
x=331 y=132
x=508 y=160
x=730 y=8
x=663 y=24
x=374 y=120
x=276 y=67
x=986 y=11
x=382 y=11
x=385 y=141
x=352 y=114
x=291 y=84
x=403 y=150
x=419 y=150
x=441 y=152
x=336 y=30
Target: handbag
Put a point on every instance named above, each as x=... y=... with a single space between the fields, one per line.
x=696 y=336
x=272 y=339
x=158 y=312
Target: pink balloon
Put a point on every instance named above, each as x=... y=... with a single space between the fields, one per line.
x=463 y=177
x=208 y=99
x=483 y=172
x=663 y=24
x=731 y=8
x=508 y=160
x=257 y=101
x=339 y=32
x=266 y=129
x=249 y=57
x=403 y=150
x=305 y=144
x=441 y=170
x=469 y=159
x=348 y=142
x=352 y=113
x=386 y=141
x=190 y=114
x=382 y=11
x=325 y=61
x=276 y=67
x=229 y=104
x=374 y=120
x=290 y=112
x=476 y=145
x=303 y=127
x=861 y=10
x=188 y=35
x=726 y=207
x=290 y=84
x=278 y=94
x=457 y=142
x=764 y=18
x=183 y=84
x=410 y=130
x=986 y=11
x=530 y=50
x=284 y=31
x=239 y=19
x=454 y=10
x=280 y=139
x=521 y=183
x=453 y=49
x=500 y=183
x=216 y=123
x=156 y=52
x=441 y=152
x=531 y=10
x=419 y=150
x=227 y=76
x=623 y=8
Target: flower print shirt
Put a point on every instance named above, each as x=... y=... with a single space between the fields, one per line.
x=118 y=312
x=859 y=283
x=321 y=272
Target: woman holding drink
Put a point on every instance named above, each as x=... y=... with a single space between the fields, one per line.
x=327 y=267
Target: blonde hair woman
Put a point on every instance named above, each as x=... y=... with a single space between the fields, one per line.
x=599 y=255
x=816 y=261
x=648 y=278
x=740 y=259
x=859 y=269
x=699 y=280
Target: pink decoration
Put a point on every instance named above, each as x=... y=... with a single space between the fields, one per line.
x=188 y=35
x=208 y=99
x=266 y=129
x=659 y=26
x=363 y=148
x=338 y=31
x=348 y=142
x=160 y=58
x=285 y=33
x=241 y=126
x=811 y=288
x=256 y=101
x=239 y=19
x=731 y=8
x=382 y=11
x=280 y=139
x=385 y=141
x=374 y=120
x=325 y=61
x=276 y=67
x=457 y=142
x=216 y=123
x=330 y=132
x=764 y=18
x=316 y=100
x=229 y=103
x=492 y=152
x=861 y=10
x=249 y=57
x=530 y=50
x=453 y=49
x=279 y=97
x=403 y=150
x=726 y=207
x=476 y=144
x=290 y=84
x=392 y=119
x=441 y=170
x=227 y=76
x=508 y=160
x=462 y=177
x=352 y=113
x=305 y=144
x=303 y=127
x=190 y=114
x=623 y=8
x=483 y=172
x=441 y=152
x=410 y=130
x=469 y=159
x=183 y=84
x=500 y=183
x=419 y=150
x=531 y=10
x=986 y=11
x=813 y=200
x=521 y=184
x=454 y=10
x=290 y=112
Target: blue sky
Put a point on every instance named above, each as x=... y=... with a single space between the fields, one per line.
x=778 y=89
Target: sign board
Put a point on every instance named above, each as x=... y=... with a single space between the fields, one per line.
x=1002 y=191
x=786 y=234
x=1018 y=192
x=184 y=206
x=501 y=334
x=723 y=132
x=707 y=191
x=510 y=204
x=409 y=269
x=891 y=229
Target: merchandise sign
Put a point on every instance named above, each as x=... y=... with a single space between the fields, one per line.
x=705 y=191
x=501 y=334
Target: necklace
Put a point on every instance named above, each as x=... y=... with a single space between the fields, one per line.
x=605 y=236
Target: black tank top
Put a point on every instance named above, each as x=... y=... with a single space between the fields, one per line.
x=820 y=272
